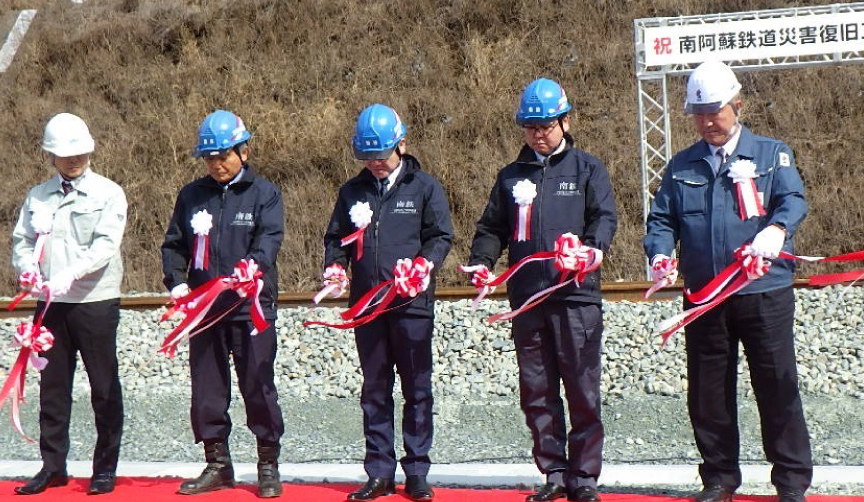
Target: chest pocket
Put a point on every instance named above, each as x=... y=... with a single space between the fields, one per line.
x=84 y=220
x=693 y=192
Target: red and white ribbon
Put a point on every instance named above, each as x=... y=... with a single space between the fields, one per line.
x=335 y=282
x=42 y=220
x=664 y=272
x=31 y=283
x=743 y=172
x=739 y=274
x=246 y=281
x=481 y=277
x=361 y=216
x=573 y=259
x=524 y=193
x=201 y=223
x=31 y=339
x=736 y=276
x=410 y=278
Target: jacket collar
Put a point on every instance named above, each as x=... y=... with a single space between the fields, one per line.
x=746 y=148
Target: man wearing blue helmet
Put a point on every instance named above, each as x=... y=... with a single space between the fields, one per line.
x=565 y=190
x=400 y=212
x=230 y=215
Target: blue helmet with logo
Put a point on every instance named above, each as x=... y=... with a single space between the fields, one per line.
x=542 y=101
x=377 y=133
x=220 y=132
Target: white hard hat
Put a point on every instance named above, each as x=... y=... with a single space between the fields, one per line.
x=66 y=135
x=710 y=87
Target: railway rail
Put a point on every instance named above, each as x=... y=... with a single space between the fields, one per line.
x=612 y=291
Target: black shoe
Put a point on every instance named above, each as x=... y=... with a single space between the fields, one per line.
x=714 y=493
x=218 y=474
x=373 y=489
x=549 y=491
x=787 y=495
x=418 y=489
x=584 y=494
x=102 y=482
x=42 y=481
x=269 y=480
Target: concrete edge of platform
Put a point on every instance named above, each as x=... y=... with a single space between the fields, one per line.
x=487 y=475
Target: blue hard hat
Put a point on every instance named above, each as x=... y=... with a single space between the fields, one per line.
x=377 y=133
x=542 y=101
x=219 y=132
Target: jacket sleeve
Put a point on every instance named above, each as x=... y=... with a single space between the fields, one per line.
x=23 y=240
x=436 y=231
x=787 y=206
x=269 y=229
x=662 y=228
x=601 y=218
x=339 y=227
x=107 y=236
x=492 y=233
x=175 y=250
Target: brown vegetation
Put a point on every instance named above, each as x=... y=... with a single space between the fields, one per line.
x=143 y=73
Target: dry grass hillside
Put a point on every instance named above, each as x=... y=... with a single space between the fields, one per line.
x=143 y=73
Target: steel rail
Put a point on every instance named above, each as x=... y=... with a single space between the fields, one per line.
x=612 y=291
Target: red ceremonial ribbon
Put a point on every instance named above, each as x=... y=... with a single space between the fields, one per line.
x=408 y=276
x=201 y=252
x=355 y=236
x=247 y=282
x=31 y=283
x=572 y=259
x=729 y=282
x=32 y=338
x=522 y=232
x=749 y=204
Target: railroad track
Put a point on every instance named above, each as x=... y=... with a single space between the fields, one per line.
x=612 y=291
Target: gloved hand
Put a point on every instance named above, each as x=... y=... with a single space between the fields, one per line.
x=664 y=268
x=245 y=270
x=480 y=277
x=594 y=257
x=179 y=291
x=768 y=242
x=60 y=282
x=30 y=280
x=335 y=275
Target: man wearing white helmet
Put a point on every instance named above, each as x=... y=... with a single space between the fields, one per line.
x=730 y=189
x=83 y=216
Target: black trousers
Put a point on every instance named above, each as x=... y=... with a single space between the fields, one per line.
x=211 y=381
x=763 y=323
x=91 y=329
x=555 y=342
x=403 y=341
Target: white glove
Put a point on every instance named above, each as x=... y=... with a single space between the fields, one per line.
x=60 y=282
x=595 y=258
x=480 y=278
x=664 y=268
x=179 y=291
x=335 y=276
x=768 y=242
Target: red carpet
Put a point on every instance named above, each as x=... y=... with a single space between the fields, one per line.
x=163 y=489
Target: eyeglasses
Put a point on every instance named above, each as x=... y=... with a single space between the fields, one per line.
x=542 y=130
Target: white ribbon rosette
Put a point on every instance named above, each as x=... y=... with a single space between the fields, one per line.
x=201 y=223
x=524 y=193
x=743 y=172
x=361 y=216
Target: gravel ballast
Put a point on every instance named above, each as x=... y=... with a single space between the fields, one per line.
x=476 y=389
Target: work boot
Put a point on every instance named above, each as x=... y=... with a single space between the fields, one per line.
x=269 y=481
x=218 y=474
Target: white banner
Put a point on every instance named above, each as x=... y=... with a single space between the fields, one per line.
x=755 y=39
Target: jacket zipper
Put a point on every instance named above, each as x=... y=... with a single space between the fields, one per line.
x=537 y=240
x=219 y=235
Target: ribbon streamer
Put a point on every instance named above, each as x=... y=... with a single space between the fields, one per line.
x=743 y=172
x=524 y=193
x=409 y=279
x=201 y=223
x=361 y=216
x=571 y=258
x=32 y=339
x=246 y=281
